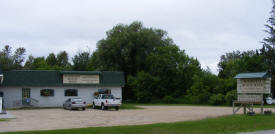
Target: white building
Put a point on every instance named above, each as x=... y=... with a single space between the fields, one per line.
x=21 y=88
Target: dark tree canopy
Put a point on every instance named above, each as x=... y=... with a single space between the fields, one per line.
x=81 y=61
x=51 y=60
x=9 y=60
x=63 y=59
x=239 y=62
x=50 y=63
x=126 y=47
x=268 y=49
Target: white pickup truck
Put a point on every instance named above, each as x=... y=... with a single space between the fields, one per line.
x=105 y=101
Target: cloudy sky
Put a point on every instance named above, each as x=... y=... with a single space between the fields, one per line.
x=205 y=29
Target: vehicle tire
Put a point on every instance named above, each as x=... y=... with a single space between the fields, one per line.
x=83 y=108
x=117 y=108
x=102 y=107
x=94 y=107
x=64 y=107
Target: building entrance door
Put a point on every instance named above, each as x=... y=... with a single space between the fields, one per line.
x=26 y=96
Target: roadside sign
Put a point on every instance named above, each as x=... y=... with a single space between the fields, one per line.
x=250 y=98
x=261 y=86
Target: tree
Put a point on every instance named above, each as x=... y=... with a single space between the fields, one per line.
x=239 y=62
x=174 y=68
x=63 y=59
x=50 y=63
x=10 y=61
x=51 y=60
x=268 y=49
x=126 y=47
x=81 y=61
x=36 y=63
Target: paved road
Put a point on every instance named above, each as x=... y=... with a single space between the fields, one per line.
x=261 y=132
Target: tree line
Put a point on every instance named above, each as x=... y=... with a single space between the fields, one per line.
x=156 y=69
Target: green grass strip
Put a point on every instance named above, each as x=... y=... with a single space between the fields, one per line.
x=221 y=125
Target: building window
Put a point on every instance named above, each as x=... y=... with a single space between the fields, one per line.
x=47 y=92
x=71 y=92
x=104 y=91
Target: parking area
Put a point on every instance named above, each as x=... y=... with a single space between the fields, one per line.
x=46 y=119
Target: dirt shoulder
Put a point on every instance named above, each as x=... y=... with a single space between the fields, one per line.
x=47 y=119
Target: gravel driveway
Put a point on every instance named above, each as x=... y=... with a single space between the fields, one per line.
x=46 y=119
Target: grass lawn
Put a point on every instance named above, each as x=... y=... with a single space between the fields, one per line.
x=3 y=120
x=161 y=104
x=221 y=125
x=130 y=106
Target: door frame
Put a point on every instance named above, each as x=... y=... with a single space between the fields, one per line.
x=26 y=96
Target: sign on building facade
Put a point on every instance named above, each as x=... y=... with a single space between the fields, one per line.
x=80 y=79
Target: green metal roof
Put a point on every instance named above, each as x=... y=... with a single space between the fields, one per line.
x=252 y=75
x=80 y=72
x=54 y=78
x=1 y=70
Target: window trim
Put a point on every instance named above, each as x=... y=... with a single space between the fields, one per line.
x=50 y=92
x=66 y=90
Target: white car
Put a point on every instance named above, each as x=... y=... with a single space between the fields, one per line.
x=105 y=101
x=74 y=103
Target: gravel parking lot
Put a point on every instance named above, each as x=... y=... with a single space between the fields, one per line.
x=46 y=119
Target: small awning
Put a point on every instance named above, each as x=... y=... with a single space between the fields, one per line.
x=252 y=75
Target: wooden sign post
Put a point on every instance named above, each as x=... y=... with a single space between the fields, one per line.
x=250 y=88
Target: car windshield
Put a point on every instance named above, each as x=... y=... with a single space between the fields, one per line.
x=76 y=99
x=107 y=96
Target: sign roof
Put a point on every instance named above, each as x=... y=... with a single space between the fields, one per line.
x=252 y=75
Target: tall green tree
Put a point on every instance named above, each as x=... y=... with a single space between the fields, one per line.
x=9 y=60
x=126 y=47
x=51 y=60
x=36 y=63
x=268 y=49
x=63 y=59
x=239 y=62
x=81 y=61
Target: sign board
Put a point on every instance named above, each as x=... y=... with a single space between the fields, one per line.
x=1 y=103
x=261 y=86
x=250 y=98
x=80 y=79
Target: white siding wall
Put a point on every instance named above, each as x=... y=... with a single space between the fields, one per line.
x=13 y=94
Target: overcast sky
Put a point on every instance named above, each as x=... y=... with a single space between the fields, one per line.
x=205 y=29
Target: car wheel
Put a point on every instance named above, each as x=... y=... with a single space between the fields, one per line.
x=102 y=107
x=94 y=106
x=117 y=108
x=83 y=108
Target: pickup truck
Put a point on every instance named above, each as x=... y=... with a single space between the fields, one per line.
x=105 y=101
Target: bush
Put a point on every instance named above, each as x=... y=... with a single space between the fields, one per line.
x=230 y=96
x=216 y=99
x=168 y=99
x=191 y=99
